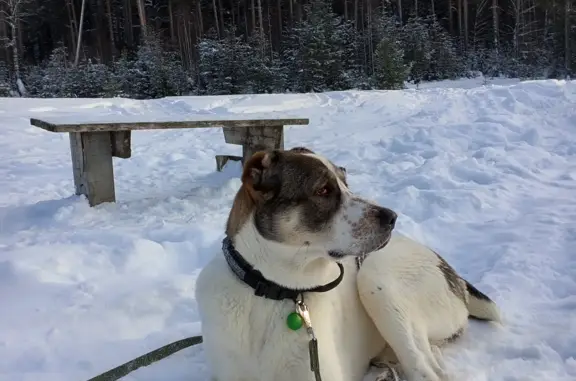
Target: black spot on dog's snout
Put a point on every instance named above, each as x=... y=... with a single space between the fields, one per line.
x=387 y=217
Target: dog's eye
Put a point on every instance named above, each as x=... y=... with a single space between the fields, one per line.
x=324 y=191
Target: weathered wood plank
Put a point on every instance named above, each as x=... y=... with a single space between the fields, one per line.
x=267 y=135
x=121 y=144
x=222 y=160
x=254 y=139
x=92 y=166
x=134 y=126
x=262 y=138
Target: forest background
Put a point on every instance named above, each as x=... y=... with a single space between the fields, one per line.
x=154 y=48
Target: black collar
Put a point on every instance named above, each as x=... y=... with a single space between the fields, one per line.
x=262 y=286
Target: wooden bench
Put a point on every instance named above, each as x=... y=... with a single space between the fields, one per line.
x=94 y=143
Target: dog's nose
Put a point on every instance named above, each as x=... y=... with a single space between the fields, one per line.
x=387 y=217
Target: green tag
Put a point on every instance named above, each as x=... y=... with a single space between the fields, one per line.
x=294 y=321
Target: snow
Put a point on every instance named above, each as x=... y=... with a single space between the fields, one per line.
x=486 y=175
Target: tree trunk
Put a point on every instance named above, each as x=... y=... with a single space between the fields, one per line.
x=73 y=24
x=246 y=20
x=171 y=22
x=128 y=33
x=567 y=40
x=3 y=37
x=142 y=16
x=200 y=19
x=451 y=17
x=111 y=28
x=79 y=42
x=253 y=16
x=517 y=26
x=465 y=24
x=460 y=28
x=14 y=44
x=216 y=23
x=221 y=15
x=261 y=22
x=495 y=26
x=279 y=8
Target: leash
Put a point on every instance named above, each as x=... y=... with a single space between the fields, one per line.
x=147 y=359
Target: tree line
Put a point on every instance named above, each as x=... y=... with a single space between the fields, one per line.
x=153 y=48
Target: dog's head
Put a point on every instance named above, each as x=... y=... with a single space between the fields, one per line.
x=298 y=198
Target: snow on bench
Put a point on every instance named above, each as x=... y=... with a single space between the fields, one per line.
x=94 y=142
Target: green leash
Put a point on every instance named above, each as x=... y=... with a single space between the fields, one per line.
x=147 y=359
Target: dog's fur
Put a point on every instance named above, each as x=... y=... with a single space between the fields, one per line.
x=292 y=219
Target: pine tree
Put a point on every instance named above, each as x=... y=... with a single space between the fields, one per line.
x=217 y=65
x=389 y=67
x=263 y=68
x=152 y=73
x=445 y=63
x=418 y=49
x=50 y=78
x=319 y=50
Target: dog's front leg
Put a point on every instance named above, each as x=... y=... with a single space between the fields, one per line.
x=402 y=332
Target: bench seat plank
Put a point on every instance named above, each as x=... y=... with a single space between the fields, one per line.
x=161 y=125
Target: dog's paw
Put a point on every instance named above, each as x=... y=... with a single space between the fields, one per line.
x=389 y=374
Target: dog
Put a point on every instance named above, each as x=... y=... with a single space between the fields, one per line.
x=298 y=239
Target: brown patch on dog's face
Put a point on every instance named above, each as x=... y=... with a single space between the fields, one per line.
x=301 y=199
x=340 y=171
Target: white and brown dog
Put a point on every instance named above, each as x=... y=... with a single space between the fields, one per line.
x=295 y=229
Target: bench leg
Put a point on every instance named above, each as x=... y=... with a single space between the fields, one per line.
x=262 y=138
x=121 y=144
x=254 y=139
x=222 y=160
x=92 y=166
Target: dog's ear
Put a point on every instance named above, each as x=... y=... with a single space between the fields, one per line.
x=301 y=150
x=258 y=175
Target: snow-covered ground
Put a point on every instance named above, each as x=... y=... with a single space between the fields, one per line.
x=486 y=175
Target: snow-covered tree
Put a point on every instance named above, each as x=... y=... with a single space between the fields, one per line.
x=389 y=68
x=417 y=49
x=217 y=65
x=320 y=50
x=445 y=63
x=233 y=66
x=13 y=13
x=152 y=73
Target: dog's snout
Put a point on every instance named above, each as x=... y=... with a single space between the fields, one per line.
x=387 y=217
